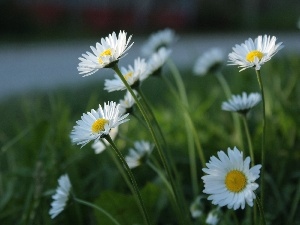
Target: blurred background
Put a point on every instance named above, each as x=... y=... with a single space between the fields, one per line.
x=46 y=37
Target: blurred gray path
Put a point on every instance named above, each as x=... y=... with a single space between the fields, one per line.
x=44 y=66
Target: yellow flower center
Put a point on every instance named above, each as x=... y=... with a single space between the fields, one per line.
x=251 y=55
x=98 y=125
x=128 y=75
x=235 y=181
x=105 y=53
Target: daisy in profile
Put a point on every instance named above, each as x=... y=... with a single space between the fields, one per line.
x=157 y=60
x=133 y=75
x=139 y=154
x=105 y=53
x=97 y=124
x=213 y=217
x=229 y=180
x=254 y=53
x=163 y=38
x=210 y=62
x=197 y=208
x=61 y=196
x=127 y=103
x=241 y=103
x=101 y=144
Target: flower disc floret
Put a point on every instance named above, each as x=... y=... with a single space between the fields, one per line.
x=254 y=53
x=105 y=54
x=230 y=181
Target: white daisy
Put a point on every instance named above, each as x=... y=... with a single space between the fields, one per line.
x=109 y=51
x=127 y=103
x=254 y=53
x=162 y=38
x=229 y=180
x=139 y=154
x=213 y=217
x=157 y=60
x=241 y=103
x=100 y=145
x=197 y=208
x=61 y=196
x=96 y=124
x=210 y=61
x=132 y=75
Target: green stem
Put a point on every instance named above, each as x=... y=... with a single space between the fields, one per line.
x=235 y=118
x=159 y=148
x=131 y=177
x=97 y=208
x=261 y=211
x=295 y=204
x=188 y=126
x=263 y=135
x=248 y=139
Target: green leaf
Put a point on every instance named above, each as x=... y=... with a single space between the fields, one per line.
x=125 y=209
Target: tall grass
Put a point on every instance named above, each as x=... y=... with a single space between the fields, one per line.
x=36 y=148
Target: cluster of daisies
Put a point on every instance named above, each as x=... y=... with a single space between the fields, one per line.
x=229 y=179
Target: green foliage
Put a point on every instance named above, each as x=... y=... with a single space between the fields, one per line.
x=36 y=149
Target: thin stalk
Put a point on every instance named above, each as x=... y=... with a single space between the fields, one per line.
x=97 y=208
x=250 y=146
x=228 y=94
x=131 y=177
x=263 y=135
x=189 y=120
x=295 y=204
x=261 y=210
x=150 y=127
x=189 y=132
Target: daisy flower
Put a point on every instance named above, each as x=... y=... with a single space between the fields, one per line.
x=61 y=196
x=157 y=60
x=213 y=217
x=162 y=38
x=139 y=154
x=127 y=103
x=229 y=180
x=100 y=145
x=97 y=123
x=196 y=208
x=242 y=103
x=133 y=75
x=210 y=61
x=254 y=53
x=109 y=51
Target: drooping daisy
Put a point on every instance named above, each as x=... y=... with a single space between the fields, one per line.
x=241 y=103
x=109 y=51
x=97 y=123
x=127 y=103
x=229 y=180
x=254 y=53
x=197 y=208
x=210 y=62
x=61 y=196
x=157 y=60
x=139 y=154
x=100 y=145
x=163 y=38
x=132 y=75
x=213 y=217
